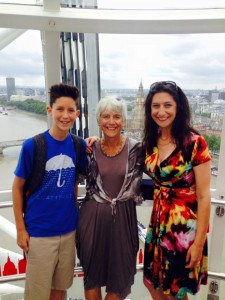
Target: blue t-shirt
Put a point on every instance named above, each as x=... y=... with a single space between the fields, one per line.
x=51 y=210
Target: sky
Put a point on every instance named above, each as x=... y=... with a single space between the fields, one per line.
x=194 y=61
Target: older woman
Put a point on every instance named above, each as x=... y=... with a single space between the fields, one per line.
x=107 y=230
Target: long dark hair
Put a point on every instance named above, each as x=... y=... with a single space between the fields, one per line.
x=181 y=127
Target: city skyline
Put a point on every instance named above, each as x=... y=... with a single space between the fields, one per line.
x=117 y=90
x=193 y=61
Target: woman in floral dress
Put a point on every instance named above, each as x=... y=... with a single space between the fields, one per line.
x=178 y=161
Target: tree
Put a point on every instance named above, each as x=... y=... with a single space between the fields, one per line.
x=213 y=142
x=129 y=107
x=31 y=105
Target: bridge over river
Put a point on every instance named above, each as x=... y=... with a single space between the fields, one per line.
x=7 y=144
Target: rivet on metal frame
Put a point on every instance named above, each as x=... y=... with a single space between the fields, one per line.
x=213 y=287
x=220 y=211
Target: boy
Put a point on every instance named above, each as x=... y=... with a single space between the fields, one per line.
x=46 y=230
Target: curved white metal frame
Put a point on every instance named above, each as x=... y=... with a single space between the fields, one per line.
x=54 y=18
x=51 y=19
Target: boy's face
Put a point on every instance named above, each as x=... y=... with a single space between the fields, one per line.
x=64 y=113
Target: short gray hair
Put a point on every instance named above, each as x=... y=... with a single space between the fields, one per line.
x=111 y=103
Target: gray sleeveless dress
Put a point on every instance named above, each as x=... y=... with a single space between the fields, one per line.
x=107 y=237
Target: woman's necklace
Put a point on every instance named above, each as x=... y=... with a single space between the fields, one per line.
x=112 y=152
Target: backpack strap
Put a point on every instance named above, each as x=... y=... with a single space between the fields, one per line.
x=78 y=145
x=38 y=168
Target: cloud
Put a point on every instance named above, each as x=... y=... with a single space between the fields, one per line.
x=193 y=61
x=23 y=60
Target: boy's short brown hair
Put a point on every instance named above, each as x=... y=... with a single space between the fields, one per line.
x=63 y=90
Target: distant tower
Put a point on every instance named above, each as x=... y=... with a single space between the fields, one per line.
x=138 y=111
x=10 y=85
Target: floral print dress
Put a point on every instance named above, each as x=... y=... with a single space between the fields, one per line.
x=173 y=221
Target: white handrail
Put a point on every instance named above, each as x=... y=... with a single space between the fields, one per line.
x=79 y=270
x=146 y=203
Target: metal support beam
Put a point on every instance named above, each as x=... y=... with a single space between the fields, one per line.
x=51 y=49
x=113 y=21
x=8 y=35
x=217 y=234
x=93 y=81
x=51 y=5
x=51 y=56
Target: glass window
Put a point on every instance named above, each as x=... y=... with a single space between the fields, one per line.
x=195 y=62
x=21 y=80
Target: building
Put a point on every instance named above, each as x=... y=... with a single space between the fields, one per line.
x=138 y=111
x=10 y=86
x=135 y=124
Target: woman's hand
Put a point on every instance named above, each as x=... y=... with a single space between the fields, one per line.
x=194 y=256
x=202 y=179
x=90 y=141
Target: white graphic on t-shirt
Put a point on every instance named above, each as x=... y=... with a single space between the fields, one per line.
x=59 y=162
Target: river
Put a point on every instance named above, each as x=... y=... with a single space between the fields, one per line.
x=14 y=126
